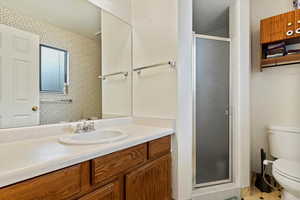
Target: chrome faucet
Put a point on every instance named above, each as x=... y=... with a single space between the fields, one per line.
x=85 y=127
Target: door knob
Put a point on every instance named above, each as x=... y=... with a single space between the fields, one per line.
x=35 y=108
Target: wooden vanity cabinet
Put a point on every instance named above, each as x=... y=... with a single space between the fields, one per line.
x=150 y=182
x=159 y=147
x=142 y=172
x=107 y=192
x=59 y=185
x=118 y=162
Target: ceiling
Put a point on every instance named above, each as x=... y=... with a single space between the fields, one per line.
x=210 y=16
x=78 y=16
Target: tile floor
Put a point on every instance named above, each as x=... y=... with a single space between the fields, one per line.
x=255 y=194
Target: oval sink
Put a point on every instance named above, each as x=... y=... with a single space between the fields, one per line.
x=95 y=137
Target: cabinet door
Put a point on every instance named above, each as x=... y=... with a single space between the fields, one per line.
x=275 y=28
x=297 y=23
x=278 y=30
x=108 y=192
x=59 y=185
x=289 y=24
x=265 y=30
x=150 y=182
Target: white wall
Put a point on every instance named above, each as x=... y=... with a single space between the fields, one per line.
x=242 y=91
x=120 y=8
x=184 y=120
x=154 y=25
x=154 y=41
x=275 y=91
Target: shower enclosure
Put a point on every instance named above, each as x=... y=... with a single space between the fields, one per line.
x=212 y=113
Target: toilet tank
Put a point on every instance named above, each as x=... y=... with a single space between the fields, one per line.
x=284 y=142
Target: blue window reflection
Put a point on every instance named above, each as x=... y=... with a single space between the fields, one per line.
x=53 y=69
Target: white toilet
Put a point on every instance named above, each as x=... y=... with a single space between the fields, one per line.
x=285 y=146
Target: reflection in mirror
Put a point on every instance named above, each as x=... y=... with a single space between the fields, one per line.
x=54 y=67
x=53 y=64
x=116 y=61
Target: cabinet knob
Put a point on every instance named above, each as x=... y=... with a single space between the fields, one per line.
x=35 y=108
x=290 y=24
x=298 y=30
x=290 y=33
x=298 y=21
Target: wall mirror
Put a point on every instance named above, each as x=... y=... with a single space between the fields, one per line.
x=62 y=62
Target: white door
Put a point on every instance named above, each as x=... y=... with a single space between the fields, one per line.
x=19 y=78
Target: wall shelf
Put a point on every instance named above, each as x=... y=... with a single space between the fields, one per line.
x=278 y=35
x=279 y=61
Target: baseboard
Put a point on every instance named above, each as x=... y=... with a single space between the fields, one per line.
x=229 y=194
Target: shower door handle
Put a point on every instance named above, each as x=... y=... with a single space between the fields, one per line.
x=226 y=112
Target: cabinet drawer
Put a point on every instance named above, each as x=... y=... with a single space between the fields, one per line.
x=55 y=186
x=107 y=192
x=115 y=163
x=159 y=147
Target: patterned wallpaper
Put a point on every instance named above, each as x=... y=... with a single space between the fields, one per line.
x=85 y=65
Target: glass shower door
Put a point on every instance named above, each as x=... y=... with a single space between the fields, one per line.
x=211 y=111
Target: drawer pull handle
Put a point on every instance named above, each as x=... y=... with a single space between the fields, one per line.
x=34 y=108
x=290 y=33
x=298 y=30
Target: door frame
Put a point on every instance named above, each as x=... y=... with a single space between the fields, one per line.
x=230 y=109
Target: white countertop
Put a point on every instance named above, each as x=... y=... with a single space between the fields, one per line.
x=26 y=159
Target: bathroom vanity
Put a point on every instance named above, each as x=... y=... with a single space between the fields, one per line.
x=139 y=172
x=67 y=130
x=43 y=168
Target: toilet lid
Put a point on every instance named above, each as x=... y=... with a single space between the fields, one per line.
x=287 y=168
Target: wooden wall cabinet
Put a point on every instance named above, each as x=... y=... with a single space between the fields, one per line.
x=297 y=22
x=265 y=30
x=142 y=172
x=289 y=25
x=272 y=29
x=280 y=27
